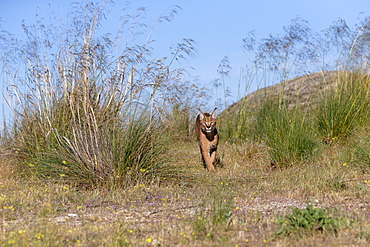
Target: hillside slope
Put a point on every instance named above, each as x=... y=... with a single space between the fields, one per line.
x=304 y=90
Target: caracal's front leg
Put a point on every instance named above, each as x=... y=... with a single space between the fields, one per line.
x=207 y=159
x=213 y=157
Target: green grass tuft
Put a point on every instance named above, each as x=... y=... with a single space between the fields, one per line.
x=343 y=108
x=286 y=132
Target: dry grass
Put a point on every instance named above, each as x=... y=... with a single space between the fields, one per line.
x=236 y=206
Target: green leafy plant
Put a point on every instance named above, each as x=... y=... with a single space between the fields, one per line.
x=306 y=221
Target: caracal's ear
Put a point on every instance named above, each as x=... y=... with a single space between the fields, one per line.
x=213 y=114
x=201 y=115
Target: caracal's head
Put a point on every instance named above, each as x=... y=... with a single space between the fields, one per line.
x=207 y=121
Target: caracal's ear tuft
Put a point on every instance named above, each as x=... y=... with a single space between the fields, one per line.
x=213 y=114
x=201 y=115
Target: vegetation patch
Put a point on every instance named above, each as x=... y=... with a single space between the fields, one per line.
x=286 y=132
x=307 y=221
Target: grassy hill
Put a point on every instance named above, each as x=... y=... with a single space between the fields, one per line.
x=304 y=90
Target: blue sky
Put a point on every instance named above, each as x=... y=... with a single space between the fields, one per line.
x=218 y=26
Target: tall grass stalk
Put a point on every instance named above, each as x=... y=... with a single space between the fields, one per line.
x=344 y=108
x=81 y=114
x=180 y=122
x=286 y=132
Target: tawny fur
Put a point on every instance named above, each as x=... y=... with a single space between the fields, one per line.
x=205 y=128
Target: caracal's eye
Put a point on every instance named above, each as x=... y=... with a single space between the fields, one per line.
x=210 y=123
x=205 y=123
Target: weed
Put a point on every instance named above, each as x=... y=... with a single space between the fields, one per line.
x=222 y=204
x=219 y=213
x=306 y=221
x=201 y=227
